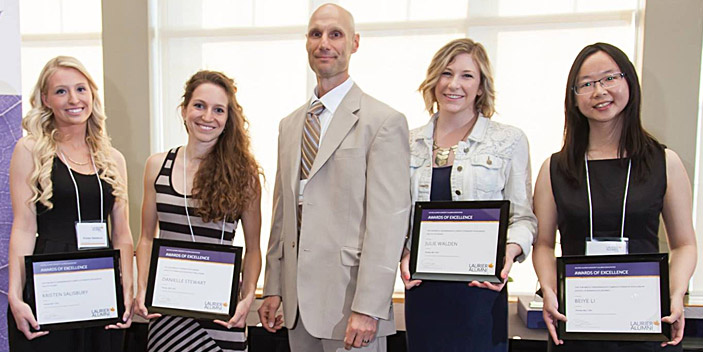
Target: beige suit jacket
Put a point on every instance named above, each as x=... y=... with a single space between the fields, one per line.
x=355 y=217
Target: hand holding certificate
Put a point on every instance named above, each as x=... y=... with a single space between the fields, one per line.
x=614 y=297
x=459 y=241
x=193 y=279
x=77 y=289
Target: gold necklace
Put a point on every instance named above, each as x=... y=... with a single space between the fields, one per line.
x=75 y=162
x=441 y=157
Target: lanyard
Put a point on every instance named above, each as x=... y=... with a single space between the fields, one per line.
x=75 y=185
x=185 y=202
x=590 y=201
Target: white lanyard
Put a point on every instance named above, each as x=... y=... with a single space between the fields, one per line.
x=590 y=201
x=185 y=202
x=75 y=185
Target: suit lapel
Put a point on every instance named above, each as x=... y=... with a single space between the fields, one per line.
x=294 y=148
x=343 y=120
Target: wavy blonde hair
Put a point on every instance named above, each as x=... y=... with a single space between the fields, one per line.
x=40 y=126
x=485 y=103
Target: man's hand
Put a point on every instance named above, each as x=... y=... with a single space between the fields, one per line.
x=361 y=330
x=267 y=314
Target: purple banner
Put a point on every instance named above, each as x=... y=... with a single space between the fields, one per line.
x=199 y=255
x=73 y=265
x=612 y=269
x=491 y=214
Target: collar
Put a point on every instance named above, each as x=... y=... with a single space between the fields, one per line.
x=333 y=98
x=477 y=133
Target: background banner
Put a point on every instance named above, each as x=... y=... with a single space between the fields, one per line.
x=10 y=132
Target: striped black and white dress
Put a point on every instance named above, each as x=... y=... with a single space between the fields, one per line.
x=170 y=333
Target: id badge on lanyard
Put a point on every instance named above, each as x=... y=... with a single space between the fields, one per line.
x=607 y=245
x=90 y=234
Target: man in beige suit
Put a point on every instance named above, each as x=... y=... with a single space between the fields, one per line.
x=341 y=205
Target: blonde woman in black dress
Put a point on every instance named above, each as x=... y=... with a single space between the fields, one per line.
x=66 y=152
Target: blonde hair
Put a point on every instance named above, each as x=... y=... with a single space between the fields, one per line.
x=485 y=103
x=40 y=126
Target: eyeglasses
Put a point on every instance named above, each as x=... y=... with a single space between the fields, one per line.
x=606 y=82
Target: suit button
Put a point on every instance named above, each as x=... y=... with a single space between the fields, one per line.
x=292 y=244
x=458 y=192
x=466 y=150
x=459 y=168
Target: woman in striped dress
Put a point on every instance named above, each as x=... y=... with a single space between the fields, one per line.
x=198 y=193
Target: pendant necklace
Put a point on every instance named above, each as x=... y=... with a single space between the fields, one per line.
x=442 y=154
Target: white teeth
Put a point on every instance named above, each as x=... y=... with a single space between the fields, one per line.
x=453 y=96
x=75 y=111
x=206 y=127
x=602 y=104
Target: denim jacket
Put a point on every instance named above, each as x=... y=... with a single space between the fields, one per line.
x=492 y=164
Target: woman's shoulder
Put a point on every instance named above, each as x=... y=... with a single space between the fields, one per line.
x=504 y=130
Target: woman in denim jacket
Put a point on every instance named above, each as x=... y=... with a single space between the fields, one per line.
x=462 y=155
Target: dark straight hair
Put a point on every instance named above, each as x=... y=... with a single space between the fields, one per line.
x=635 y=142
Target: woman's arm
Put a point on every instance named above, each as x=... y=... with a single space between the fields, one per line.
x=677 y=213
x=22 y=237
x=543 y=256
x=251 y=224
x=522 y=221
x=148 y=232
x=122 y=240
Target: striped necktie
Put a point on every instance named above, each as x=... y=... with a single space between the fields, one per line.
x=311 y=138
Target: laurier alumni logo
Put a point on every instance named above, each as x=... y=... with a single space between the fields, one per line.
x=643 y=325
x=102 y=312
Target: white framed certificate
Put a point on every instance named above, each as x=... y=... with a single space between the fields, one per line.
x=198 y=280
x=76 y=289
x=614 y=297
x=459 y=241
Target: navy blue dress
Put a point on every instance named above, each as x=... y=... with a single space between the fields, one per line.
x=451 y=316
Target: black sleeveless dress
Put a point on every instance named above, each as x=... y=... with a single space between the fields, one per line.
x=453 y=316
x=645 y=200
x=56 y=234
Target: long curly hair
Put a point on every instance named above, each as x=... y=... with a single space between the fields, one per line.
x=228 y=177
x=41 y=128
x=635 y=141
x=485 y=103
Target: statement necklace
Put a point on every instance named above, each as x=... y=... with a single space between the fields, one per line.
x=442 y=154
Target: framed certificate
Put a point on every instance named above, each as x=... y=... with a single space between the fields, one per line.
x=459 y=241
x=614 y=297
x=190 y=279
x=76 y=289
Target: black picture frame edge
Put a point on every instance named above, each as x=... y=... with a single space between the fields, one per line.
x=661 y=258
x=503 y=205
x=157 y=243
x=84 y=254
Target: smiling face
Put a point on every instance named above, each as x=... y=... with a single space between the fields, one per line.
x=205 y=114
x=330 y=42
x=603 y=105
x=69 y=97
x=458 y=86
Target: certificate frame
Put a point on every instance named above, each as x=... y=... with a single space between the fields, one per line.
x=660 y=259
x=198 y=246
x=503 y=209
x=107 y=255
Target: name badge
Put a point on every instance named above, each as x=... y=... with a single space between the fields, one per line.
x=607 y=246
x=91 y=235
